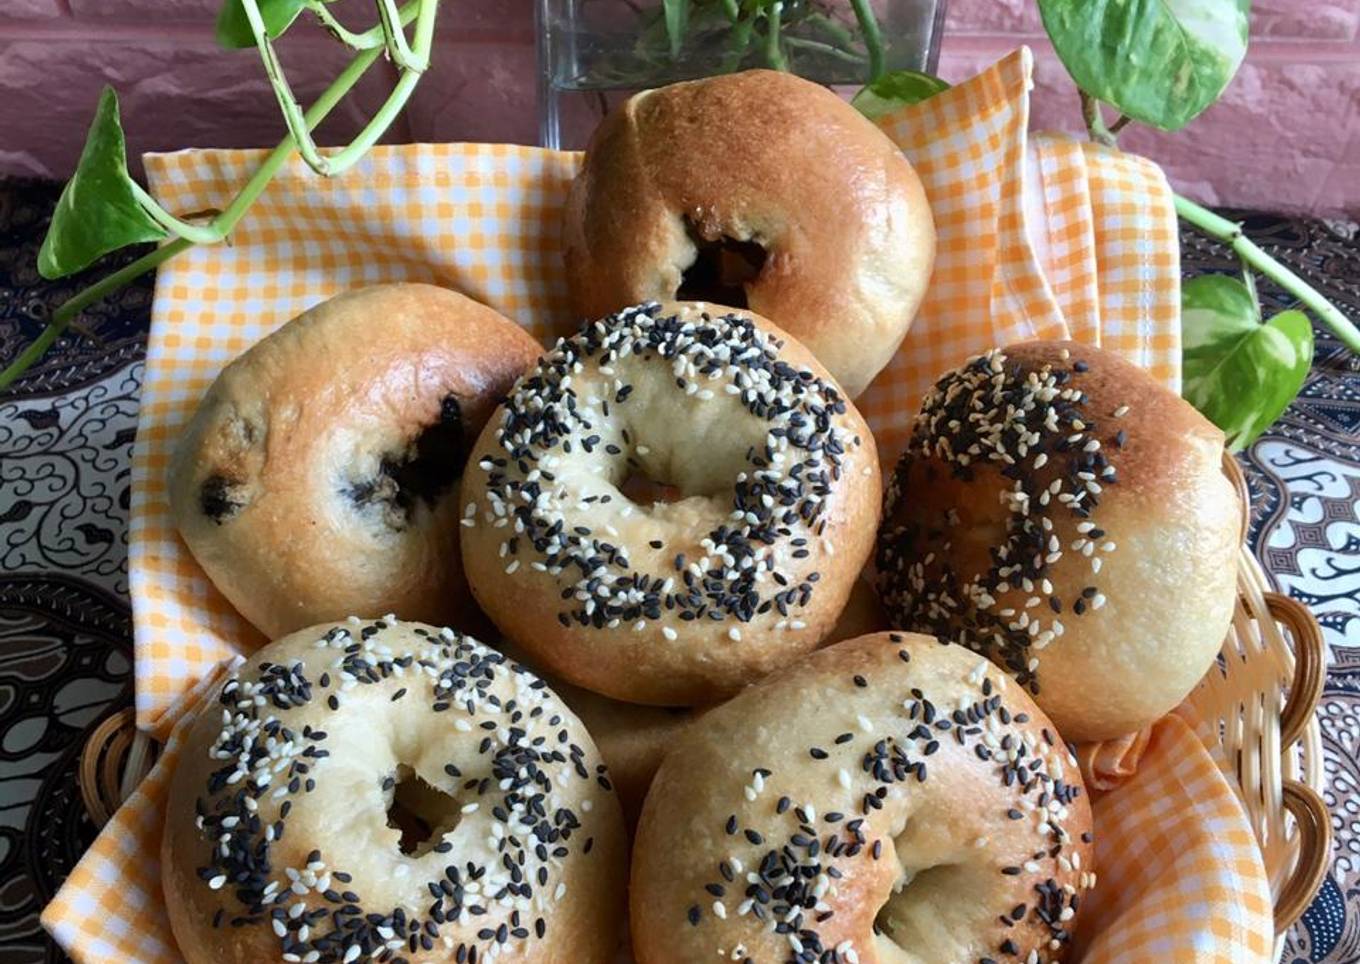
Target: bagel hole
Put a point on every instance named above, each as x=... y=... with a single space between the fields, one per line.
x=642 y=489
x=720 y=270
x=432 y=462
x=422 y=814
x=895 y=920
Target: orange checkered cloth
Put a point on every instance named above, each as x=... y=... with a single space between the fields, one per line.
x=1037 y=237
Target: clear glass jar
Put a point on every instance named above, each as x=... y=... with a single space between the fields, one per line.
x=594 y=53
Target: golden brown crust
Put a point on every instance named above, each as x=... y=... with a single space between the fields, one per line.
x=317 y=478
x=1119 y=600
x=555 y=551
x=484 y=773
x=766 y=157
x=760 y=812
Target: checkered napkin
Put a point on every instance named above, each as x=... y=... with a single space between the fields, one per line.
x=1037 y=237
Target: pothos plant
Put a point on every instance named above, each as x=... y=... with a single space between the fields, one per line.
x=1161 y=63
x=102 y=208
x=1157 y=62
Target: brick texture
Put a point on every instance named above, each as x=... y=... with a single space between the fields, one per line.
x=1284 y=136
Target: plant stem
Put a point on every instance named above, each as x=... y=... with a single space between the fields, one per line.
x=63 y=316
x=401 y=93
x=357 y=41
x=329 y=165
x=824 y=49
x=774 y=56
x=220 y=226
x=1230 y=233
x=283 y=92
x=832 y=29
x=873 y=40
x=1095 y=121
x=397 y=48
x=197 y=233
x=738 y=42
x=315 y=114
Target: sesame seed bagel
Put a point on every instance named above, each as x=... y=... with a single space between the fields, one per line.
x=390 y=791
x=1060 y=511
x=683 y=602
x=758 y=190
x=318 y=476
x=887 y=799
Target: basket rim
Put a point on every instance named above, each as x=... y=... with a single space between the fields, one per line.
x=1314 y=821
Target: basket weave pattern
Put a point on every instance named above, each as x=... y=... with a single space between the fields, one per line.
x=1260 y=702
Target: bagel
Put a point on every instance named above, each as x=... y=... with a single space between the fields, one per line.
x=318 y=476
x=381 y=791
x=671 y=603
x=756 y=190
x=887 y=799
x=1061 y=512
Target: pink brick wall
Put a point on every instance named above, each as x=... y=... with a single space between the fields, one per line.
x=1286 y=135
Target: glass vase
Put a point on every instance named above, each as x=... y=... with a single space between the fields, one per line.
x=594 y=53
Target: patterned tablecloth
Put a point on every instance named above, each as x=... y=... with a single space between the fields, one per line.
x=65 y=627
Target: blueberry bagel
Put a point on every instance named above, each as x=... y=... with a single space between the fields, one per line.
x=318 y=476
x=886 y=800
x=1060 y=511
x=775 y=484
x=383 y=791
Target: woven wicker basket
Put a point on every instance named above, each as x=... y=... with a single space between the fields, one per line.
x=1263 y=694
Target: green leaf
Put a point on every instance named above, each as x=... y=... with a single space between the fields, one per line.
x=98 y=211
x=895 y=89
x=1159 y=61
x=233 y=27
x=1240 y=372
x=677 y=20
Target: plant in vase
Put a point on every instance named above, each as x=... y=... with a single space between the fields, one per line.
x=672 y=40
x=593 y=53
